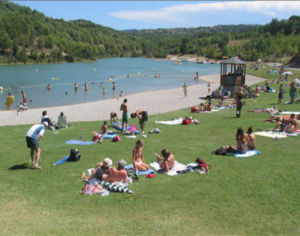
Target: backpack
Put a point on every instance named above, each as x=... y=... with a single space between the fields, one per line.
x=74 y=155
x=220 y=151
x=202 y=164
x=194 y=109
x=186 y=122
x=116 y=138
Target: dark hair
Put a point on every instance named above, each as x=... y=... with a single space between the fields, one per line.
x=201 y=104
x=105 y=122
x=250 y=129
x=125 y=100
x=44 y=113
x=139 y=142
x=240 y=132
x=22 y=91
x=61 y=114
x=209 y=103
x=240 y=97
x=165 y=153
x=293 y=115
x=133 y=115
x=9 y=94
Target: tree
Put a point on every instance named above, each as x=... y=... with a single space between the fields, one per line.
x=5 y=42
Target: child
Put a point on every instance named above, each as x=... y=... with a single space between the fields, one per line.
x=104 y=128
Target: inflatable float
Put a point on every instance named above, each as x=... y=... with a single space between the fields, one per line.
x=130 y=128
x=9 y=101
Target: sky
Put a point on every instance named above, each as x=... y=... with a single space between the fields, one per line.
x=122 y=15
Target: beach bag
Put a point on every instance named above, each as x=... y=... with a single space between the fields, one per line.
x=220 y=151
x=74 y=155
x=186 y=122
x=202 y=164
x=194 y=109
x=116 y=139
x=88 y=189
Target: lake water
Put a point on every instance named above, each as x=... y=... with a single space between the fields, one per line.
x=32 y=79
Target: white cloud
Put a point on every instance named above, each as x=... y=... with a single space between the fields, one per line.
x=180 y=13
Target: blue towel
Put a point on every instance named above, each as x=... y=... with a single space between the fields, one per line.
x=80 y=142
x=65 y=159
x=247 y=154
x=130 y=167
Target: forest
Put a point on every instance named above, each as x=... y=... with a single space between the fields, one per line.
x=28 y=36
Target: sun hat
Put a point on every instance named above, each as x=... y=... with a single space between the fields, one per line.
x=107 y=162
x=121 y=163
x=45 y=123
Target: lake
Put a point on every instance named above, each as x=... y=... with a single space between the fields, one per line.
x=33 y=79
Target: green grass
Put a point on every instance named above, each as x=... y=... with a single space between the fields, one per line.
x=252 y=196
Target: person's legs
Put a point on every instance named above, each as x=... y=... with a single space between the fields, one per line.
x=32 y=156
x=38 y=153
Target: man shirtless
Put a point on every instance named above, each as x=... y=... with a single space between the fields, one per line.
x=113 y=117
x=124 y=108
x=283 y=123
x=143 y=116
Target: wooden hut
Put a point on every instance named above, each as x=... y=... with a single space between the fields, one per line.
x=232 y=74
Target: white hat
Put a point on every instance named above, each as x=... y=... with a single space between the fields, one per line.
x=107 y=162
x=45 y=123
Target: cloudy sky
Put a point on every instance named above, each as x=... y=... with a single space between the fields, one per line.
x=123 y=15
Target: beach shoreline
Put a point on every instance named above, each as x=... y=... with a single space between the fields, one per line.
x=155 y=102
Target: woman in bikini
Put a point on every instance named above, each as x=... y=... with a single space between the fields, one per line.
x=252 y=139
x=167 y=161
x=242 y=143
x=138 y=157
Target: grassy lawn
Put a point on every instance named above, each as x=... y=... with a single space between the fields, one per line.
x=252 y=196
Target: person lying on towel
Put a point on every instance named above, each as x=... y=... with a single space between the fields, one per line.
x=167 y=161
x=286 y=122
x=105 y=172
x=242 y=143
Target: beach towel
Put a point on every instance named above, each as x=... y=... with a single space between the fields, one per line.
x=80 y=142
x=115 y=187
x=271 y=134
x=130 y=167
x=290 y=112
x=223 y=107
x=178 y=167
x=170 y=122
x=65 y=159
x=130 y=128
x=247 y=154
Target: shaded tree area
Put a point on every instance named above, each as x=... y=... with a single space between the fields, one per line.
x=29 y=36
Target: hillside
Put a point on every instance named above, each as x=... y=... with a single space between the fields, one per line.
x=29 y=36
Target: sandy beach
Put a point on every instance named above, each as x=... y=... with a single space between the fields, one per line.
x=155 y=102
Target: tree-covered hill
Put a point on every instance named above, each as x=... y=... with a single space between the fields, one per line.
x=27 y=35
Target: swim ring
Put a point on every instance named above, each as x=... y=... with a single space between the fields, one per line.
x=9 y=101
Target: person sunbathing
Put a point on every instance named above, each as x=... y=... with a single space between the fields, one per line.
x=242 y=143
x=252 y=139
x=220 y=102
x=207 y=107
x=272 y=110
x=138 y=157
x=100 y=172
x=283 y=123
x=104 y=128
x=167 y=161
x=201 y=108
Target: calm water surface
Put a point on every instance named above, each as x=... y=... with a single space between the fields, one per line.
x=32 y=79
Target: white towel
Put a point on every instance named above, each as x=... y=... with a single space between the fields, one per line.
x=178 y=167
x=170 y=122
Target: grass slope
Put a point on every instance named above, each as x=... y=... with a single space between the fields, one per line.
x=252 y=196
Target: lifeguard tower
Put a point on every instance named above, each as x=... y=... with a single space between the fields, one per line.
x=232 y=75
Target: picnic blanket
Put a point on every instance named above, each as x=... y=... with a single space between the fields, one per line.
x=178 y=167
x=170 y=122
x=130 y=167
x=80 y=142
x=271 y=134
x=247 y=154
x=223 y=107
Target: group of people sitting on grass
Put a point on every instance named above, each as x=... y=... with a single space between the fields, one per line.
x=104 y=170
x=62 y=121
x=245 y=141
x=286 y=123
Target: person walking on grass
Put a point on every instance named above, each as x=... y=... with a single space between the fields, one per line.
x=280 y=96
x=124 y=108
x=32 y=138
x=239 y=105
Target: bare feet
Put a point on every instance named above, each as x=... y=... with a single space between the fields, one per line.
x=83 y=176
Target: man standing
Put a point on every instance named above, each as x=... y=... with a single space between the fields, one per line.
x=143 y=116
x=32 y=138
x=124 y=108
